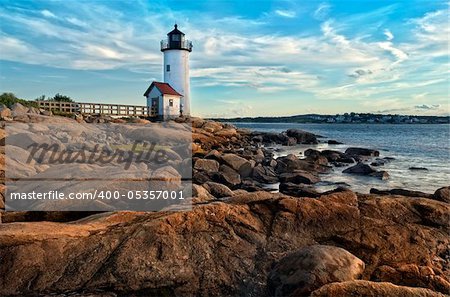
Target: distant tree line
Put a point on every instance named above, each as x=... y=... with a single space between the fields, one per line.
x=57 y=97
x=9 y=99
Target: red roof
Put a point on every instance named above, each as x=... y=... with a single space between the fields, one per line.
x=164 y=88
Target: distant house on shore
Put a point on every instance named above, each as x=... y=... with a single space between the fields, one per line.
x=164 y=98
x=172 y=97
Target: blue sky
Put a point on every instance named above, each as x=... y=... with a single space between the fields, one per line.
x=250 y=58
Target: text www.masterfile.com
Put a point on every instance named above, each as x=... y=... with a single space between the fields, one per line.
x=99 y=195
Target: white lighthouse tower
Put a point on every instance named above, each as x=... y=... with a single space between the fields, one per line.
x=176 y=51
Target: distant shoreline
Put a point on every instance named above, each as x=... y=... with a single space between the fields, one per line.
x=351 y=123
x=347 y=118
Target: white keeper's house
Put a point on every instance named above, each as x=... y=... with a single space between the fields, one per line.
x=171 y=98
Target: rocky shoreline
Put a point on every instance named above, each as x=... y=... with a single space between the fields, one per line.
x=240 y=239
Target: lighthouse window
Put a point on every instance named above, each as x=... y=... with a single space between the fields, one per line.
x=176 y=37
x=167 y=68
x=170 y=102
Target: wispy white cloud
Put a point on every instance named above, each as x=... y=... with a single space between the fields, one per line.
x=262 y=79
x=427 y=106
x=322 y=11
x=285 y=13
x=48 y=14
x=96 y=43
x=398 y=53
x=388 y=34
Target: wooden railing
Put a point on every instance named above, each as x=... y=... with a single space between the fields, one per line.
x=99 y=108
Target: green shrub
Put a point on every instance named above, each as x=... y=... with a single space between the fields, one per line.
x=58 y=97
x=9 y=99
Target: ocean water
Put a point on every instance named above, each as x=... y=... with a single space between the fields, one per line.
x=411 y=145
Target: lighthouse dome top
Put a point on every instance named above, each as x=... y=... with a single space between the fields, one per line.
x=175 y=31
x=176 y=41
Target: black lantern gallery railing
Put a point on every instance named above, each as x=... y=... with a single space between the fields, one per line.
x=184 y=44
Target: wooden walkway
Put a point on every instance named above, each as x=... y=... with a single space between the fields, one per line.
x=99 y=109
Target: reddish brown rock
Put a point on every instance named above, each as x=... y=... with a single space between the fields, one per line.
x=442 y=194
x=311 y=267
x=401 y=192
x=361 y=288
x=5 y=113
x=228 y=249
x=212 y=126
x=412 y=275
x=218 y=190
x=228 y=133
x=200 y=194
x=264 y=174
x=217 y=248
x=228 y=176
x=241 y=165
x=207 y=165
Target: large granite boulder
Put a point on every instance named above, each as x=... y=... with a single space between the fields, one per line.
x=197 y=122
x=292 y=163
x=360 y=169
x=212 y=126
x=241 y=165
x=214 y=155
x=228 y=132
x=18 y=108
x=264 y=174
x=303 y=271
x=381 y=174
x=315 y=156
x=201 y=177
x=299 y=177
x=200 y=194
x=207 y=165
x=362 y=288
x=312 y=153
x=251 y=185
x=271 y=137
x=5 y=113
x=228 y=176
x=218 y=190
x=442 y=194
x=302 y=137
x=332 y=155
x=298 y=190
x=358 y=151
